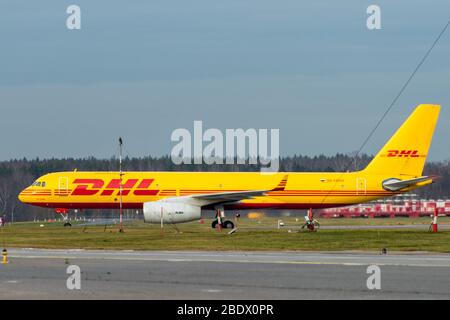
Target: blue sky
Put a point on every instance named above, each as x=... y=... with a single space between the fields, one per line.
x=141 y=69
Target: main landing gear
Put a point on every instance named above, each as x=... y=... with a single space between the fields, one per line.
x=226 y=224
x=220 y=221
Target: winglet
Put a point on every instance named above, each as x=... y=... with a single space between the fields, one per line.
x=281 y=185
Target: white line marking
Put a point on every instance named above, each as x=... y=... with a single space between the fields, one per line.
x=240 y=261
x=211 y=290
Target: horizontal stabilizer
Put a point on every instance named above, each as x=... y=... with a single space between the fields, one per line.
x=397 y=184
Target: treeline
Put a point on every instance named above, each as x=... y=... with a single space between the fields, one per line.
x=17 y=174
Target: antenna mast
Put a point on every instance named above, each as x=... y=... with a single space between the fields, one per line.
x=120 y=185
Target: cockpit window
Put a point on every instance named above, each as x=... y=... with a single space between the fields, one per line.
x=38 y=184
x=43 y=183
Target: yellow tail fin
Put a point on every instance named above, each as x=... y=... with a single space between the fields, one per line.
x=405 y=153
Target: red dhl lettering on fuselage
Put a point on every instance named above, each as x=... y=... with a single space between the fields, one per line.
x=91 y=187
x=404 y=153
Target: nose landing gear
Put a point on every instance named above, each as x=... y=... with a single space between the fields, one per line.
x=310 y=223
x=65 y=215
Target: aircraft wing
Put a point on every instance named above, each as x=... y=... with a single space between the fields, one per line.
x=233 y=196
x=397 y=184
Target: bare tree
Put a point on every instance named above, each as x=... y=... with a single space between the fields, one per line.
x=5 y=195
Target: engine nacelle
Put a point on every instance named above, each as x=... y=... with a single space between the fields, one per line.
x=170 y=212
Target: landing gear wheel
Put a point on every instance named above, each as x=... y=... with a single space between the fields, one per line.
x=228 y=224
x=214 y=224
x=67 y=224
x=313 y=226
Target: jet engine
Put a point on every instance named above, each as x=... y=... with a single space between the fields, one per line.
x=170 y=212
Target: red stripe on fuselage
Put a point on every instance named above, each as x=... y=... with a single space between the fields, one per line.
x=238 y=206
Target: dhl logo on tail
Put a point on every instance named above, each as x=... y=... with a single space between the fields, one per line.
x=404 y=153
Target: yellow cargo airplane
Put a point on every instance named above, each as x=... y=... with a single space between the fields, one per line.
x=174 y=197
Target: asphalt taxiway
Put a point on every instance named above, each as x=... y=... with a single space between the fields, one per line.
x=41 y=274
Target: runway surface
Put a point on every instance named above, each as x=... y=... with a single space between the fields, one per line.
x=41 y=274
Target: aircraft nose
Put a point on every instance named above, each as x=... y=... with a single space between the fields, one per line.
x=21 y=196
